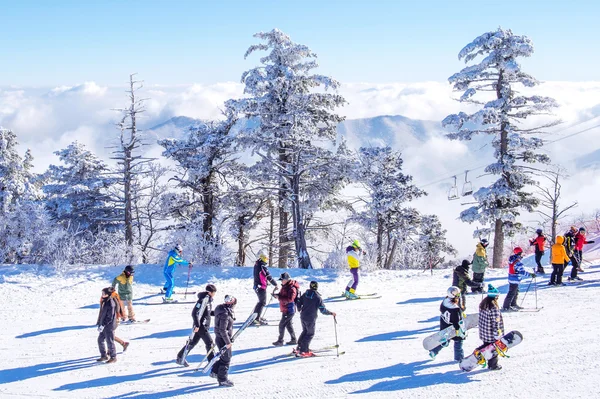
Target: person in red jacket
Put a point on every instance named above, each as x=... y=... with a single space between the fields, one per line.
x=539 y=242
x=287 y=296
x=578 y=253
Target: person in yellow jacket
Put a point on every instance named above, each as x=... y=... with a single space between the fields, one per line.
x=124 y=281
x=354 y=254
x=559 y=260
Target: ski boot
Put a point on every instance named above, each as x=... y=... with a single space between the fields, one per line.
x=225 y=383
x=352 y=295
x=182 y=362
x=306 y=354
x=278 y=343
x=292 y=342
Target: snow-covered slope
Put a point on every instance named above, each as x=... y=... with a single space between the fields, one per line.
x=48 y=340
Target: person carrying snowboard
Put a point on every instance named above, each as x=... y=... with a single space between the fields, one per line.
x=354 y=254
x=107 y=324
x=480 y=263
x=224 y=318
x=578 y=253
x=491 y=324
x=287 y=306
x=124 y=281
x=461 y=279
x=559 y=259
x=451 y=315
x=538 y=243
x=310 y=303
x=516 y=272
x=261 y=278
x=201 y=326
x=173 y=259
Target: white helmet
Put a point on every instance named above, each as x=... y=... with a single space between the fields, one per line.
x=453 y=292
x=230 y=300
x=178 y=248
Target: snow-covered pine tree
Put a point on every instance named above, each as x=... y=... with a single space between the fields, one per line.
x=492 y=83
x=432 y=239
x=288 y=119
x=379 y=171
x=78 y=192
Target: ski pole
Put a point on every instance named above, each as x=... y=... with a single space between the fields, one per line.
x=267 y=307
x=337 y=346
x=188 y=280
x=535 y=292
x=525 y=296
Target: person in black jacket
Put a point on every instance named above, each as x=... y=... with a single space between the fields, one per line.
x=107 y=323
x=461 y=279
x=223 y=332
x=451 y=315
x=261 y=278
x=310 y=302
x=201 y=326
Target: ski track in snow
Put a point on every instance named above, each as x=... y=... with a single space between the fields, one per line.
x=48 y=339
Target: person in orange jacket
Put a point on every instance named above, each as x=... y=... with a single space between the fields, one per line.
x=559 y=260
x=539 y=243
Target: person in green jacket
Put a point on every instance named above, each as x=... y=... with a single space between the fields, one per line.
x=480 y=263
x=125 y=290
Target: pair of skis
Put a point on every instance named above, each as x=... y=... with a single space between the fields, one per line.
x=362 y=296
x=325 y=351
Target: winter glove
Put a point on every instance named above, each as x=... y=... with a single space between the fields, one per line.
x=100 y=329
x=590 y=242
x=532 y=275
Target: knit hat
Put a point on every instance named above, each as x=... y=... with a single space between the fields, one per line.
x=465 y=263
x=314 y=285
x=211 y=288
x=493 y=291
x=285 y=276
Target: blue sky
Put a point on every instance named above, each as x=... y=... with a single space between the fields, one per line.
x=48 y=43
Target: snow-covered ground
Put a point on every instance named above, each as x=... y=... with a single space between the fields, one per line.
x=48 y=340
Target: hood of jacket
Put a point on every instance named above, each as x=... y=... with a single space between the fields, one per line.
x=560 y=240
x=479 y=250
x=449 y=304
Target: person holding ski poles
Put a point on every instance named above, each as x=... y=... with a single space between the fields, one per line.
x=354 y=254
x=516 y=272
x=287 y=306
x=201 y=326
x=174 y=258
x=310 y=302
x=261 y=278
x=223 y=332
x=451 y=314
x=538 y=243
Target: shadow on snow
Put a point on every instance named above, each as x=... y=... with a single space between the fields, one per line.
x=53 y=331
x=38 y=370
x=399 y=335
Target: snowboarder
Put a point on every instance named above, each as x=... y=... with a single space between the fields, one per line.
x=124 y=281
x=450 y=315
x=559 y=259
x=516 y=272
x=310 y=302
x=354 y=254
x=287 y=306
x=461 y=279
x=174 y=258
x=224 y=318
x=578 y=253
x=491 y=324
x=538 y=243
x=261 y=278
x=480 y=263
x=107 y=324
x=201 y=326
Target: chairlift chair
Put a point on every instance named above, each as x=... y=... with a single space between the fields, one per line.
x=467 y=186
x=453 y=192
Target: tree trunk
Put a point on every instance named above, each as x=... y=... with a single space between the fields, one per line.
x=379 y=259
x=299 y=229
x=208 y=209
x=388 y=263
x=498 y=245
x=241 y=240
x=271 y=232
x=283 y=214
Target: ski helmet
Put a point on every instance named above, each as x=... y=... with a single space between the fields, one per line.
x=355 y=244
x=539 y=231
x=262 y=255
x=484 y=242
x=582 y=229
x=129 y=269
x=178 y=248
x=314 y=285
x=453 y=292
x=230 y=300
x=211 y=288
x=518 y=251
x=573 y=228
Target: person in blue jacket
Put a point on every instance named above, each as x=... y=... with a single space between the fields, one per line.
x=516 y=272
x=174 y=258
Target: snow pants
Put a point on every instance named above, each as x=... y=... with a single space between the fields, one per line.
x=511 y=296
x=108 y=335
x=169 y=281
x=353 y=283
x=221 y=366
x=557 y=273
x=286 y=323
x=130 y=312
x=538 y=260
x=308 y=332
x=493 y=362
x=261 y=293
x=459 y=353
x=478 y=278
x=576 y=262
x=201 y=334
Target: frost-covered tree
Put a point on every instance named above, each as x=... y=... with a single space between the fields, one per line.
x=432 y=238
x=78 y=192
x=492 y=83
x=288 y=120
x=549 y=195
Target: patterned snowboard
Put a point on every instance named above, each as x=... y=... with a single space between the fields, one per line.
x=481 y=356
x=443 y=337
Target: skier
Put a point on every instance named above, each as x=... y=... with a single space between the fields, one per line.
x=491 y=324
x=516 y=272
x=223 y=332
x=287 y=306
x=461 y=279
x=480 y=263
x=107 y=323
x=174 y=258
x=539 y=242
x=201 y=326
x=450 y=315
x=578 y=253
x=354 y=254
x=310 y=302
x=559 y=258
x=570 y=247
x=261 y=278
x=125 y=282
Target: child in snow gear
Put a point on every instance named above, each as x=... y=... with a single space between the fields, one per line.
x=174 y=258
x=223 y=332
x=516 y=272
x=559 y=259
x=461 y=279
x=261 y=278
x=491 y=324
x=451 y=315
x=539 y=242
x=201 y=326
x=354 y=254
x=107 y=324
x=577 y=258
x=480 y=263
x=287 y=306
x=310 y=302
x=124 y=281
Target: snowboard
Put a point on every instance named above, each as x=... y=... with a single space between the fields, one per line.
x=481 y=356
x=443 y=337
